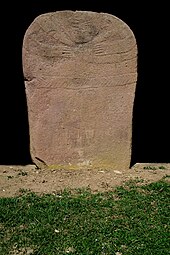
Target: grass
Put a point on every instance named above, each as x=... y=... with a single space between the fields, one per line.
x=154 y=168
x=133 y=219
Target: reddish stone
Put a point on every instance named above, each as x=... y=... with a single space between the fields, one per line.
x=80 y=73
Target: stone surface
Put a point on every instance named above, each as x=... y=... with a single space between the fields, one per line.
x=80 y=72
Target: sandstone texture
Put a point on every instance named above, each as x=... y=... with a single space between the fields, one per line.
x=80 y=71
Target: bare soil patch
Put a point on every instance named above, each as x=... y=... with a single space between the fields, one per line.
x=16 y=179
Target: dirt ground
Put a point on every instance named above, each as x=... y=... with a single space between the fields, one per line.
x=16 y=179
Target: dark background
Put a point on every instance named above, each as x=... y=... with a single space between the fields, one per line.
x=151 y=137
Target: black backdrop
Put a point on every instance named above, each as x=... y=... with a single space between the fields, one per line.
x=151 y=137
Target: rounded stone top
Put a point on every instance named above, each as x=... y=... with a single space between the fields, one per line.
x=64 y=33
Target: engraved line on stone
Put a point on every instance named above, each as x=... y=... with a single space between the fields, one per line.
x=97 y=52
x=124 y=80
x=86 y=88
x=98 y=48
x=112 y=61
x=89 y=78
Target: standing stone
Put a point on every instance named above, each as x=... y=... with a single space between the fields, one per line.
x=80 y=72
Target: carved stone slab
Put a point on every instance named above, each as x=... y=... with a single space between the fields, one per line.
x=80 y=72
